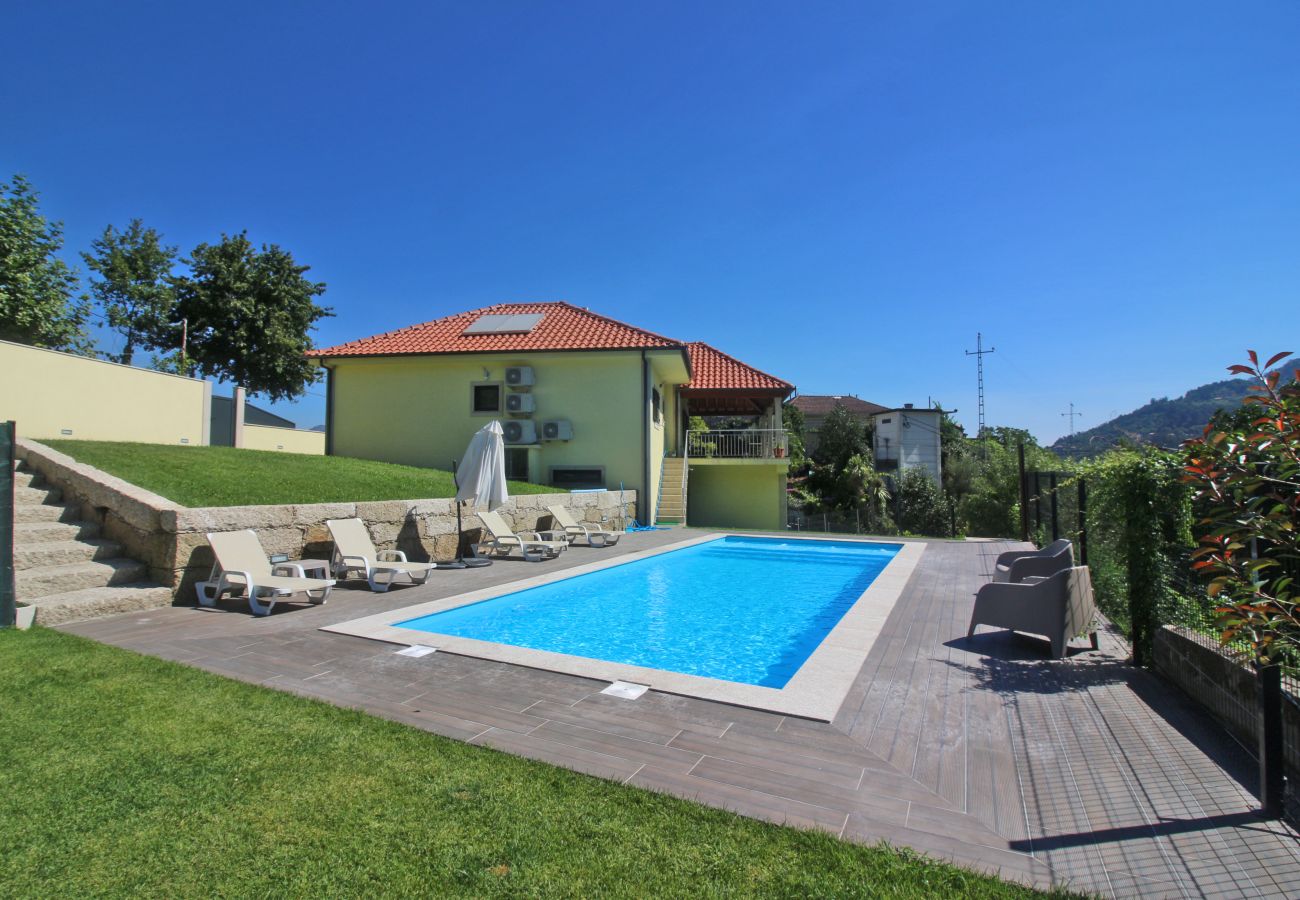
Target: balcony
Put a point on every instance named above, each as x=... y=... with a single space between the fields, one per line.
x=755 y=444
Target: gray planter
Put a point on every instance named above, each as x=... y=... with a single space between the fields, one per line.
x=25 y=616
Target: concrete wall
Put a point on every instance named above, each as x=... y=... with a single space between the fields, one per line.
x=1226 y=687
x=172 y=541
x=737 y=494
x=288 y=440
x=910 y=436
x=61 y=395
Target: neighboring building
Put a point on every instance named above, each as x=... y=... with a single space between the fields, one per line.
x=586 y=401
x=816 y=407
x=909 y=438
x=223 y=420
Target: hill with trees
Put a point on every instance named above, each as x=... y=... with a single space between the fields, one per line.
x=1163 y=422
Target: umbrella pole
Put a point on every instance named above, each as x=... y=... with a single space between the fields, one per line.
x=461 y=562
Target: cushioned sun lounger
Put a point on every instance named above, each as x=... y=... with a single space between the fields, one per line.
x=503 y=540
x=594 y=534
x=354 y=551
x=241 y=565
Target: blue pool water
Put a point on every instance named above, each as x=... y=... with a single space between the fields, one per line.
x=745 y=609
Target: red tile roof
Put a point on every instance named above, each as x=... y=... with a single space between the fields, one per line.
x=822 y=404
x=563 y=327
x=713 y=370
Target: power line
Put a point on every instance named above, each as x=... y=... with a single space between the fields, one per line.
x=979 y=353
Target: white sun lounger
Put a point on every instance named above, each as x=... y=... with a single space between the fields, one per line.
x=503 y=540
x=573 y=529
x=241 y=564
x=354 y=551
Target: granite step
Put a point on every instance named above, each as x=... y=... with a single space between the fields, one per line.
x=37 y=495
x=97 y=602
x=41 y=512
x=44 y=532
x=36 y=554
x=43 y=581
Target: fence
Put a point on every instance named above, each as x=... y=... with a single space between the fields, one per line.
x=860 y=521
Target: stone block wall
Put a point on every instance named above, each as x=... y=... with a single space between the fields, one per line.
x=171 y=539
x=1226 y=687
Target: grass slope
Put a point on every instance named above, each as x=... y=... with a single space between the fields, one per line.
x=125 y=775
x=224 y=476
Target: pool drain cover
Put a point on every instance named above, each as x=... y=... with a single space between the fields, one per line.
x=626 y=689
x=417 y=650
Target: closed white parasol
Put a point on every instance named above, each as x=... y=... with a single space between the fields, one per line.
x=480 y=480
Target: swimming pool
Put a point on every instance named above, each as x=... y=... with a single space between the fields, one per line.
x=737 y=608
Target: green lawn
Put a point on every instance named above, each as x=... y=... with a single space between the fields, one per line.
x=224 y=476
x=124 y=775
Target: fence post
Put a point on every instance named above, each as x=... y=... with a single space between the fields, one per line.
x=1083 y=523
x=8 y=596
x=1272 y=781
x=1056 y=521
x=1024 y=498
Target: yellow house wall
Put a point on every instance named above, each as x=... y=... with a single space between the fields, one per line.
x=47 y=392
x=417 y=410
x=285 y=440
x=730 y=495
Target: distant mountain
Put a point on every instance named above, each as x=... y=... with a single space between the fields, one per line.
x=1164 y=422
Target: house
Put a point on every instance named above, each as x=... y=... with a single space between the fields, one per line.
x=909 y=438
x=816 y=407
x=585 y=401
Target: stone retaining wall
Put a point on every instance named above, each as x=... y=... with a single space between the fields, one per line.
x=170 y=538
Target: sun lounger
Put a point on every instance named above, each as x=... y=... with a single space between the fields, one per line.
x=594 y=535
x=354 y=551
x=241 y=564
x=1059 y=607
x=503 y=540
x=1017 y=565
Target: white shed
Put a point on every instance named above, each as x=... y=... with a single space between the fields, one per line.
x=908 y=438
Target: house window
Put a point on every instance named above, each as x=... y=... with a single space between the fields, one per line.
x=485 y=398
x=657 y=405
x=576 y=478
x=517 y=463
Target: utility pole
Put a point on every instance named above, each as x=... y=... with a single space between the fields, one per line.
x=979 y=353
x=1072 y=415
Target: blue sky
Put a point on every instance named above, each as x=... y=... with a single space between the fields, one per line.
x=839 y=193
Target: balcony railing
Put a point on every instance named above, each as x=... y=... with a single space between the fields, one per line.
x=743 y=443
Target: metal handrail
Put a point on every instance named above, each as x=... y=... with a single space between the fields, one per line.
x=739 y=443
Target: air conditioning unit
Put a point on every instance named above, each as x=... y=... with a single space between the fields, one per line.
x=520 y=432
x=520 y=403
x=519 y=376
x=557 y=430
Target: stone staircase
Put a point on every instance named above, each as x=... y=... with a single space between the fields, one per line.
x=671 y=509
x=64 y=568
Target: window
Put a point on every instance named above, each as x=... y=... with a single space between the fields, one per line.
x=656 y=402
x=485 y=398
x=576 y=478
x=517 y=463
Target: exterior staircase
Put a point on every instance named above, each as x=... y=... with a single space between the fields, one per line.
x=671 y=509
x=64 y=568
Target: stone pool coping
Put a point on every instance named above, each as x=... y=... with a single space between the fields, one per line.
x=815 y=692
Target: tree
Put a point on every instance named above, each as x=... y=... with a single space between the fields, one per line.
x=135 y=287
x=38 y=291
x=792 y=418
x=920 y=506
x=1246 y=473
x=249 y=313
x=841 y=437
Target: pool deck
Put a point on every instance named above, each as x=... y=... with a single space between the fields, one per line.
x=1082 y=772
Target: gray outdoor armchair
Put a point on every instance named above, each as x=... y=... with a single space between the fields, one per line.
x=1060 y=607
x=1017 y=565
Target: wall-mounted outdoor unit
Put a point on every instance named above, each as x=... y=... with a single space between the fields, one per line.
x=557 y=430
x=520 y=431
x=519 y=376
x=521 y=403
